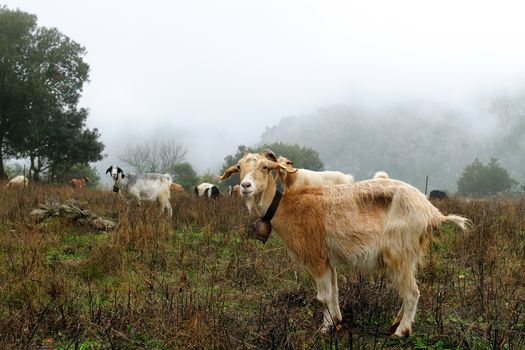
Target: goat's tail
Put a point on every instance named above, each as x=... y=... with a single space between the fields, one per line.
x=458 y=220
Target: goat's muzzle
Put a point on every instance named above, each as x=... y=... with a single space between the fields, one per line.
x=260 y=230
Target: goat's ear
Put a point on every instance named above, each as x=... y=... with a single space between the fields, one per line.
x=119 y=170
x=109 y=169
x=275 y=166
x=268 y=153
x=288 y=167
x=231 y=170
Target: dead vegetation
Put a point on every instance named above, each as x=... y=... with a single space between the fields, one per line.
x=196 y=282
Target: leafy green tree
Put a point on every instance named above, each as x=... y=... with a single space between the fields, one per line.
x=15 y=39
x=184 y=174
x=479 y=179
x=42 y=74
x=303 y=157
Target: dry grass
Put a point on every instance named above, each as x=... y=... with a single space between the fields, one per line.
x=196 y=282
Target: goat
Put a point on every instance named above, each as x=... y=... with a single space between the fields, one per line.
x=177 y=188
x=143 y=186
x=378 y=225
x=18 y=181
x=437 y=194
x=207 y=190
x=291 y=177
x=79 y=183
x=235 y=191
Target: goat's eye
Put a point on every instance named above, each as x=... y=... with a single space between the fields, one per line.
x=238 y=167
x=265 y=167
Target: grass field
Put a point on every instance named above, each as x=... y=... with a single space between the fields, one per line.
x=196 y=282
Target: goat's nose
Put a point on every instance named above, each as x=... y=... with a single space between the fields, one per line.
x=246 y=184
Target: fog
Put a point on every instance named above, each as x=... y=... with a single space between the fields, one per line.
x=214 y=74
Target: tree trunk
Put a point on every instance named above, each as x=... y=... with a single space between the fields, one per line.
x=3 y=175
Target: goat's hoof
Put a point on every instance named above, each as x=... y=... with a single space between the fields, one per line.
x=327 y=330
x=331 y=329
x=393 y=328
x=402 y=333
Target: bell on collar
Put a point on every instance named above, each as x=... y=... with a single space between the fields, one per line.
x=260 y=230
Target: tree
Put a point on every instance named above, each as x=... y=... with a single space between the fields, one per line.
x=184 y=174
x=303 y=157
x=479 y=179
x=154 y=157
x=42 y=74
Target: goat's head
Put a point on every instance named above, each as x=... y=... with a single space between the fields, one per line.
x=255 y=172
x=86 y=178
x=115 y=171
x=288 y=165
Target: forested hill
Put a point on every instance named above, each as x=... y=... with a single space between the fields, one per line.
x=409 y=142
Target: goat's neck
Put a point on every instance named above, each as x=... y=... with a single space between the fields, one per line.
x=263 y=201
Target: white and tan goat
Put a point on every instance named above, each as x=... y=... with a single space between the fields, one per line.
x=292 y=177
x=379 y=225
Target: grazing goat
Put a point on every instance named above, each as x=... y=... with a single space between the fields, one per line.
x=207 y=190
x=18 y=181
x=143 y=186
x=291 y=177
x=437 y=194
x=379 y=225
x=235 y=191
x=79 y=183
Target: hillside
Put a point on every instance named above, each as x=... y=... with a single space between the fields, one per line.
x=409 y=141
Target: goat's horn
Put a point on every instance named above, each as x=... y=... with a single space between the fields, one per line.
x=269 y=154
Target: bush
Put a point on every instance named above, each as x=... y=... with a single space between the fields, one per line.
x=479 y=179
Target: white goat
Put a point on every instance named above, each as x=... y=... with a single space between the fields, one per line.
x=18 y=181
x=291 y=177
x=143 y=186
x=379 y=225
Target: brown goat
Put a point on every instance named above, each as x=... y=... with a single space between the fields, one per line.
x=177 y=188
x=378 y=225
x=79 y=183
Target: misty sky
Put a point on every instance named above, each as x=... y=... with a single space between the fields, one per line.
x=212 y=74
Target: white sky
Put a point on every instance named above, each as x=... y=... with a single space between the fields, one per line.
x=212 y=74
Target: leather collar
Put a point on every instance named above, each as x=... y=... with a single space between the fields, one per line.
x=273 y=206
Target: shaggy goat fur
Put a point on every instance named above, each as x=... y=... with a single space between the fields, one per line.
x=379 y=225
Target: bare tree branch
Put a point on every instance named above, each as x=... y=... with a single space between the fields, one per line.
x=154 y=156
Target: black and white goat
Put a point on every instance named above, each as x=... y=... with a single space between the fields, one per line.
x=207 y=190
x=143 y=186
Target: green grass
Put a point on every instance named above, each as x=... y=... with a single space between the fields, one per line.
x=197 y=282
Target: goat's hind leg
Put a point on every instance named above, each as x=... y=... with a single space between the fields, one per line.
x=407 y=288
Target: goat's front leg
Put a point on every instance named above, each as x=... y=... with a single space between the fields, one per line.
x=325 y=294
x=335 y=297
